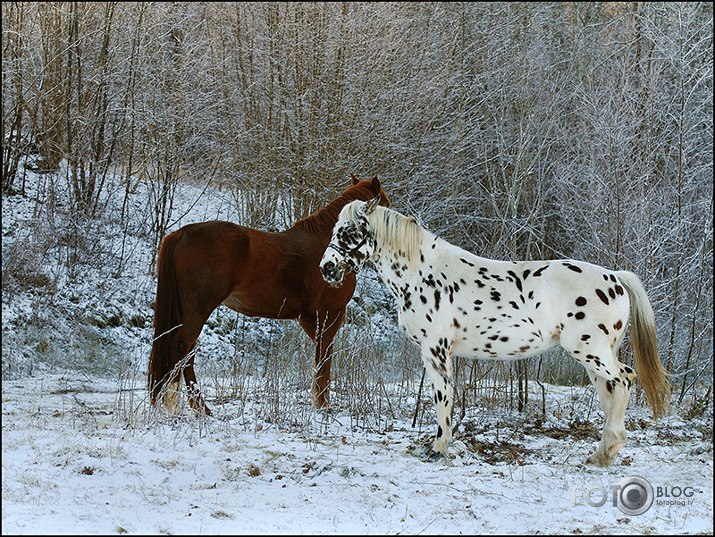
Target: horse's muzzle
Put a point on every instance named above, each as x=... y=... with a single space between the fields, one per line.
x=333 y=273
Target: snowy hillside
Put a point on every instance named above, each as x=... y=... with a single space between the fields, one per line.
x=82 y=451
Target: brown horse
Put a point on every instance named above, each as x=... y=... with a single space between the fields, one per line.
x=253 y=272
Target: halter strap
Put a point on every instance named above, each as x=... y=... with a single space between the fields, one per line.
x=360 y=244
x=337 y=249
x=352 y=250
x=347 y=255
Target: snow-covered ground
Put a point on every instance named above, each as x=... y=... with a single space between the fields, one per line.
x=82 y=452
x=78 y=459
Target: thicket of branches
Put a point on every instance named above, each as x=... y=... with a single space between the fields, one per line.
x=515 y=130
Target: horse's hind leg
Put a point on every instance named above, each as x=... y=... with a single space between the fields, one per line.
x=613 y=382
x=614 y=394
x=170 y=397
x=184 y=349
x=196 y=400
x=172 y=388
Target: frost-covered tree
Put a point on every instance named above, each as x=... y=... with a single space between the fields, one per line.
x=516 y=130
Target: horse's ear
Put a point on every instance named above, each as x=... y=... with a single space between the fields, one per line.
x=354 y=179
x=372 y=204
x=375 y=182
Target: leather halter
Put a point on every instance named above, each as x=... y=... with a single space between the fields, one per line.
x=347 y=256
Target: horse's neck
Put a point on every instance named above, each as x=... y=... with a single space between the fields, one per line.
x=323 y=220
x=391 y=254
x=401 y=233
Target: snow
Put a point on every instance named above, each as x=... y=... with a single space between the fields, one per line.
x=77 y=460
x=83 y=452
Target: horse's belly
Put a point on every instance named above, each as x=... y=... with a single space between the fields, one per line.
x=499 y=352
x=261 y=308
x=497 y=342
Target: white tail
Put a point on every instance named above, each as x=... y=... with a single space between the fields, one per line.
x=653 y=376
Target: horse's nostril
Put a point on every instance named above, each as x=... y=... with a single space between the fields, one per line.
x=329 y=270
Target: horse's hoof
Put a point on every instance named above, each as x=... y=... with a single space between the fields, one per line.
x=600 y=459
x=432 y=456
x=320 y=401
x=199 y=407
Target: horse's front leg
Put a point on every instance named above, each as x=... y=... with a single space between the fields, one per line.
x=322 y=328
x=437 y=359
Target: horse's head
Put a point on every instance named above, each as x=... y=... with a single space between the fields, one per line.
x=352 y=242
x=376 y=188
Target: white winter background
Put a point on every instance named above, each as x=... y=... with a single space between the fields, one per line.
x=82 y=452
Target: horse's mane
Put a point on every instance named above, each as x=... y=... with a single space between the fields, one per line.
x=324 y=219
x=394 y=232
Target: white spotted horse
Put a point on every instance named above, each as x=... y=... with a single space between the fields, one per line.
x=452 y=302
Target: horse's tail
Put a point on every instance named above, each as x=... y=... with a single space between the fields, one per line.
x=167 y=315
x=653 y=376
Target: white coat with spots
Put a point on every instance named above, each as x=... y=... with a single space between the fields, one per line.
x=452 y=302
